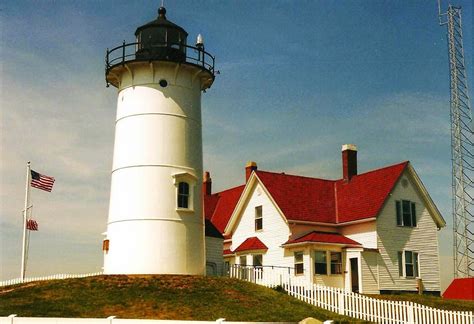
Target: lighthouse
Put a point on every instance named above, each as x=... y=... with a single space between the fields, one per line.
x=155 y=222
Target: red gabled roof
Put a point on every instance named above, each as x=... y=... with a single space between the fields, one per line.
x=251 y=244
x=301 y=198
x=219 y=207
x=364 y=196
x=332 y=201
x=460 y=288
x=227 y=252
x=323 y=237
x=314 y=200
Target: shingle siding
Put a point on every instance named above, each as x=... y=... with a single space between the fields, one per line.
x=214 y=258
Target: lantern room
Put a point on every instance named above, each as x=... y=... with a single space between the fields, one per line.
x=161 y=39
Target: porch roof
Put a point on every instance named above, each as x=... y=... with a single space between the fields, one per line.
x=251 y=244
x=322 y=237
x=227 y=252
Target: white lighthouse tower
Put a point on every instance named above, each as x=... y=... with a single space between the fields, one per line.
x=155 y=223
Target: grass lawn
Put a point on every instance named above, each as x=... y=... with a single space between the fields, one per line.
x=432 y=301
x=157 y=297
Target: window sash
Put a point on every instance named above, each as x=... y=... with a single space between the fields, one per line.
x=406 y=213
x=258 y=218
x=408 y=264
x=257 y=260
x=183 y=195
x=336 y=262
x=299 y=265
x=320 y=262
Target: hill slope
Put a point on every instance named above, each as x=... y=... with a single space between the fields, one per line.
x=156 y=297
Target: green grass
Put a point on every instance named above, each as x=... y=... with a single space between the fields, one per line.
x=432 y=301
x=157 y=297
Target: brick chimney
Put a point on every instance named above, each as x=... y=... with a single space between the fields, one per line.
x=207 y=184
x=349 y=161
x=249 y=167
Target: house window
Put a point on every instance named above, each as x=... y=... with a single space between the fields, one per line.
x=408 y=266
x=406 y=213
x=257 y=260
x=320 y=262
x=183 y=195
x=336 y=262
x=243 y=260
x=299 y=268
x=258 y=218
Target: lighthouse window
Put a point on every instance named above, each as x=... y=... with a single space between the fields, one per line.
x=163 y=83
x=183 y=195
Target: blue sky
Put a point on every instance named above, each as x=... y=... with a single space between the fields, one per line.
x=298 y=79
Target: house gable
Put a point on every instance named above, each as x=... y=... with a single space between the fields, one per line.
x=254 y=186
x=422 y=239
x=275 y=230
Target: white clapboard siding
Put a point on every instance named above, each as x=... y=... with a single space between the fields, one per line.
x=363 y=233
x=370 y=284
x=275 y=230
x=352 y=304
x=422 y=239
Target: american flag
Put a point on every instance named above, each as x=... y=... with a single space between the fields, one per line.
x=32 y=225
x=41 y=181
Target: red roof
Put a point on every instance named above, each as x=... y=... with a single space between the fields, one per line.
x=227 y=252
x=332 y=201
x=461 y=288
x=301 y=198
x=365 y=194
x=219 y=207
x=314 y=200
x=251 y=244
x=323 y=237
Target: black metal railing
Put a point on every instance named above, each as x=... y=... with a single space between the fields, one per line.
x=162 y=51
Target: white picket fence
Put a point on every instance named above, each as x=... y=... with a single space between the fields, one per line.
x=348 y=303
x=51 y=277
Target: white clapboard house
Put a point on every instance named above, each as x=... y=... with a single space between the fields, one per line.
x=373 y=232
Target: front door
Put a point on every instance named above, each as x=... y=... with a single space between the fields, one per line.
x=355 y=274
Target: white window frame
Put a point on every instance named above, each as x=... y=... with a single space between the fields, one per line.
x=191 y=180
x=330 y=263
x=261 y=259
x=259 y=216
x=412 y=207
x=415 y=264
x=325 y=258
x=297 y=262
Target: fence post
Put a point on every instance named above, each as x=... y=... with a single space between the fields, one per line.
x=110 y=319
x=11 y=318
x=411 y=313
x=340 y=297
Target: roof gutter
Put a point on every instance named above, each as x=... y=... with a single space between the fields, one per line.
x=365 y=220
x=318 y=243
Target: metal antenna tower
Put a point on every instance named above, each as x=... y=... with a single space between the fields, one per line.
x=462 y=152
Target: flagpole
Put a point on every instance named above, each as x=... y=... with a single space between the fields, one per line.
x=25 y=211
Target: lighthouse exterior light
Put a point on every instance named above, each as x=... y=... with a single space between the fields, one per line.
x=155 y=222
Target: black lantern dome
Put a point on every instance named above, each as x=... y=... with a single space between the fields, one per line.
x=161 y=39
